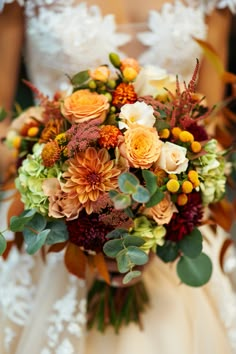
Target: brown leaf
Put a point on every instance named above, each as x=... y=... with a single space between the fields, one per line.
x=227 y=243
x=223 y=214
x=57 y=247
x=75 y=260
x=102 y=267
x=16 y=207
x=8 y=249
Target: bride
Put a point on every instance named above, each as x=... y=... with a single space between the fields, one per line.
x=42 y=307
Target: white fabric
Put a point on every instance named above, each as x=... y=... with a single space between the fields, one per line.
x=42 y=306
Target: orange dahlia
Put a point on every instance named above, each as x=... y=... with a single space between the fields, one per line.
x=89 y=175
x=124 y=93
x=109 y=136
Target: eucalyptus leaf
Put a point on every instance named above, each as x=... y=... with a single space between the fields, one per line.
x=151 y=181
x=128 y=180
x=168 y=252
x=121 y=201
x=194 y=271
x=80 y=78
x=133 y=241
x=3 y=244
x=113 y=193
x=37 y=223
x=17 y=223
x=191 y=245
x=37 y=241
x=113 y=247
x=123 y=261
x=137 y=256
x=155 y=198
x=130 y=276
x=141 y=195
x=117 y=233
x=58 y=232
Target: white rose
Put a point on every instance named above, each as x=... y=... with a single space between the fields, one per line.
x=173 y=158
x=151 y=80
x=137 y=113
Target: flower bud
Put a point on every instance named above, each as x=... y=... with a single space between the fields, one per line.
x=115 y=60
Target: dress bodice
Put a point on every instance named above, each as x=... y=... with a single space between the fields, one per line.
x=66 y=37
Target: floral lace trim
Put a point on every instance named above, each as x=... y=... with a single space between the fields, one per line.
x=16 y=291
x=67 y=320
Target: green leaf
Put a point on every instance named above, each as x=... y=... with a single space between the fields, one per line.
x=168 y=252
x=141 y=195
x=123 y=262
x=117 y=233
x=130 y=276
x=17 y=223
x=37 y=223
x=128 y=182
x=80 y=78
x=195 y=271
x=151 y=181
x=58 y=232
x=35 y=242
x=155 y=198
x=113 y=193
x=137 y=256
x=113 y=247
x=133 y=241
x=122 y=201
x=191 y=245
x=3 y=244
x=3 y=114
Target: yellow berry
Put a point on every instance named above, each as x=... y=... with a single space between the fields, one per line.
x=182 y=199
x=172 y=186
x=164 y=133
x=16 y=142
x=129 y=73
x=175 y=132
x=186 y=137
x=187 y=187
x=196 y=146
x=33 y=131
x=172 y=176
x=193 y=177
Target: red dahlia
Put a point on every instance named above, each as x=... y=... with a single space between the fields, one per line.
x=198 y=132
x=88 y=232
x=188 y=217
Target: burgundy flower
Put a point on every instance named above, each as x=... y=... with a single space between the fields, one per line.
x=88 y=231
x=198 y=132
x=188 y=217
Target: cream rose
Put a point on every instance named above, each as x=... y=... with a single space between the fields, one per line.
x=163 y=211
x=83 y=105
x=173 y=158
x=142 y=146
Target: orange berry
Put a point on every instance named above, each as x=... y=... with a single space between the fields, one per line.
x=130 y=73
x=175 y=132
x=172 y=176
x=196 y=146
x=16 y=142
x=187 y=187
x=182 y=199
x=33 y=131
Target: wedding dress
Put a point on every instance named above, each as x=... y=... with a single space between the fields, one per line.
x=42 y=307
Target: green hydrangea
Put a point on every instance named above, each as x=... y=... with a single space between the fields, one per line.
x=211 y=170
x=152 y=234
x=30 y=178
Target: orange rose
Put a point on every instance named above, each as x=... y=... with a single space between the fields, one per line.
x=142 y=146
x=84 y=105
x=163 y=211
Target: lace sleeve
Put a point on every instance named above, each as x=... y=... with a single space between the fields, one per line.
x=209 y=5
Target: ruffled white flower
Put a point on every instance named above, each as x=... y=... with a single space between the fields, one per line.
x=137 y=113
x=231 y=4
x=170 y=39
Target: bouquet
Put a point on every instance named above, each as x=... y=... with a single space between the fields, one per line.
x=120 y=167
